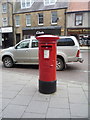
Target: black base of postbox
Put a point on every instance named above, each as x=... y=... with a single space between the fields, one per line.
x=47 y=87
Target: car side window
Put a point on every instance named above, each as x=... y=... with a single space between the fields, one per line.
x=65 y=42
x=34 y=43
x=24 y=44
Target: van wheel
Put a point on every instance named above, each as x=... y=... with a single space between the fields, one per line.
x=60 y=65
x=8 y=62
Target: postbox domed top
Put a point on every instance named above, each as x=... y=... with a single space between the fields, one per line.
x=47 y=38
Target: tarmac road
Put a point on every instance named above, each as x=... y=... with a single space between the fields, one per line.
x=75 y=72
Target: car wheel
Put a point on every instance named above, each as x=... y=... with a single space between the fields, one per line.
x=60 y=65
x=8 y=62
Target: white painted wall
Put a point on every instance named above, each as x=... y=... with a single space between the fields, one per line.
x=71 y=20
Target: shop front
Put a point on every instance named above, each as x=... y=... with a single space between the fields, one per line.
x=82 y=34
x=52 y=30
x=7 y=37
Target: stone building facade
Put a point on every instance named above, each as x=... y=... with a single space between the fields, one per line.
x=6 y=24
x=49 y=19
x=21 y=19
x=78 y=17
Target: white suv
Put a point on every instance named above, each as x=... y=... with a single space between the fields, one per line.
x=26 y=52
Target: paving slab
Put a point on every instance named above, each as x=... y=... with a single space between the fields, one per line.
x=58 y=113
x=40 y=97
x=9 y=94
x=85 y=87
x=79 y=110
x=0 y=116
x=21 y=100
x=59 y=103
x=61 y=93
x=74 y=85
x=0 y=107
x=5 y=103
x=75 y=91
x=33 y=115
x=29 y=91
x=78 y=99
x=87 y=94
x=14 y=87
x=37 y=107
x=13 y=111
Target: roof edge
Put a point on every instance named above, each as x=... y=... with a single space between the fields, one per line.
x=21 y=12
x=77 y=11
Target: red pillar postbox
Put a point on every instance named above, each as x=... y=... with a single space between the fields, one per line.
x=47 y=63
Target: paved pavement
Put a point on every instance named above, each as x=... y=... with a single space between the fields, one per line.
x=21 y=99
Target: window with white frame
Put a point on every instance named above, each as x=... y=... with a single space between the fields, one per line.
x=28 y=20
x=54 y=17
x=32 y=1
x=78 y=20
x=4 y=21
x=17 y=20
x=4 y=8
x=26 y=3
x=49 y=2
x=23 y=4
x=46 y=2
x=40 y=18
x=52 y=1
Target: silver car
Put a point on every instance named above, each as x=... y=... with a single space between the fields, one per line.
x=26 y=52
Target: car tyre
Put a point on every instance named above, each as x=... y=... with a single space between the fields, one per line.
x=8 y=62
x=60 y=65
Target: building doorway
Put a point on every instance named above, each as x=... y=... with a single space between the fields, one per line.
x=7 y=40
x=17 y=38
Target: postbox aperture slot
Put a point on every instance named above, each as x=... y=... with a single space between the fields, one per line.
x=44 y=46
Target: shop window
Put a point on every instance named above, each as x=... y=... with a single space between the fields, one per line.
x=78 y=20
x=28 y=20
x=54 y=18
x=27 y=36
x=4 y=8
x=40 y=18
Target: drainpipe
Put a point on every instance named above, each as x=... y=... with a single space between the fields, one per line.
x=65 y=25
x=12 y=20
